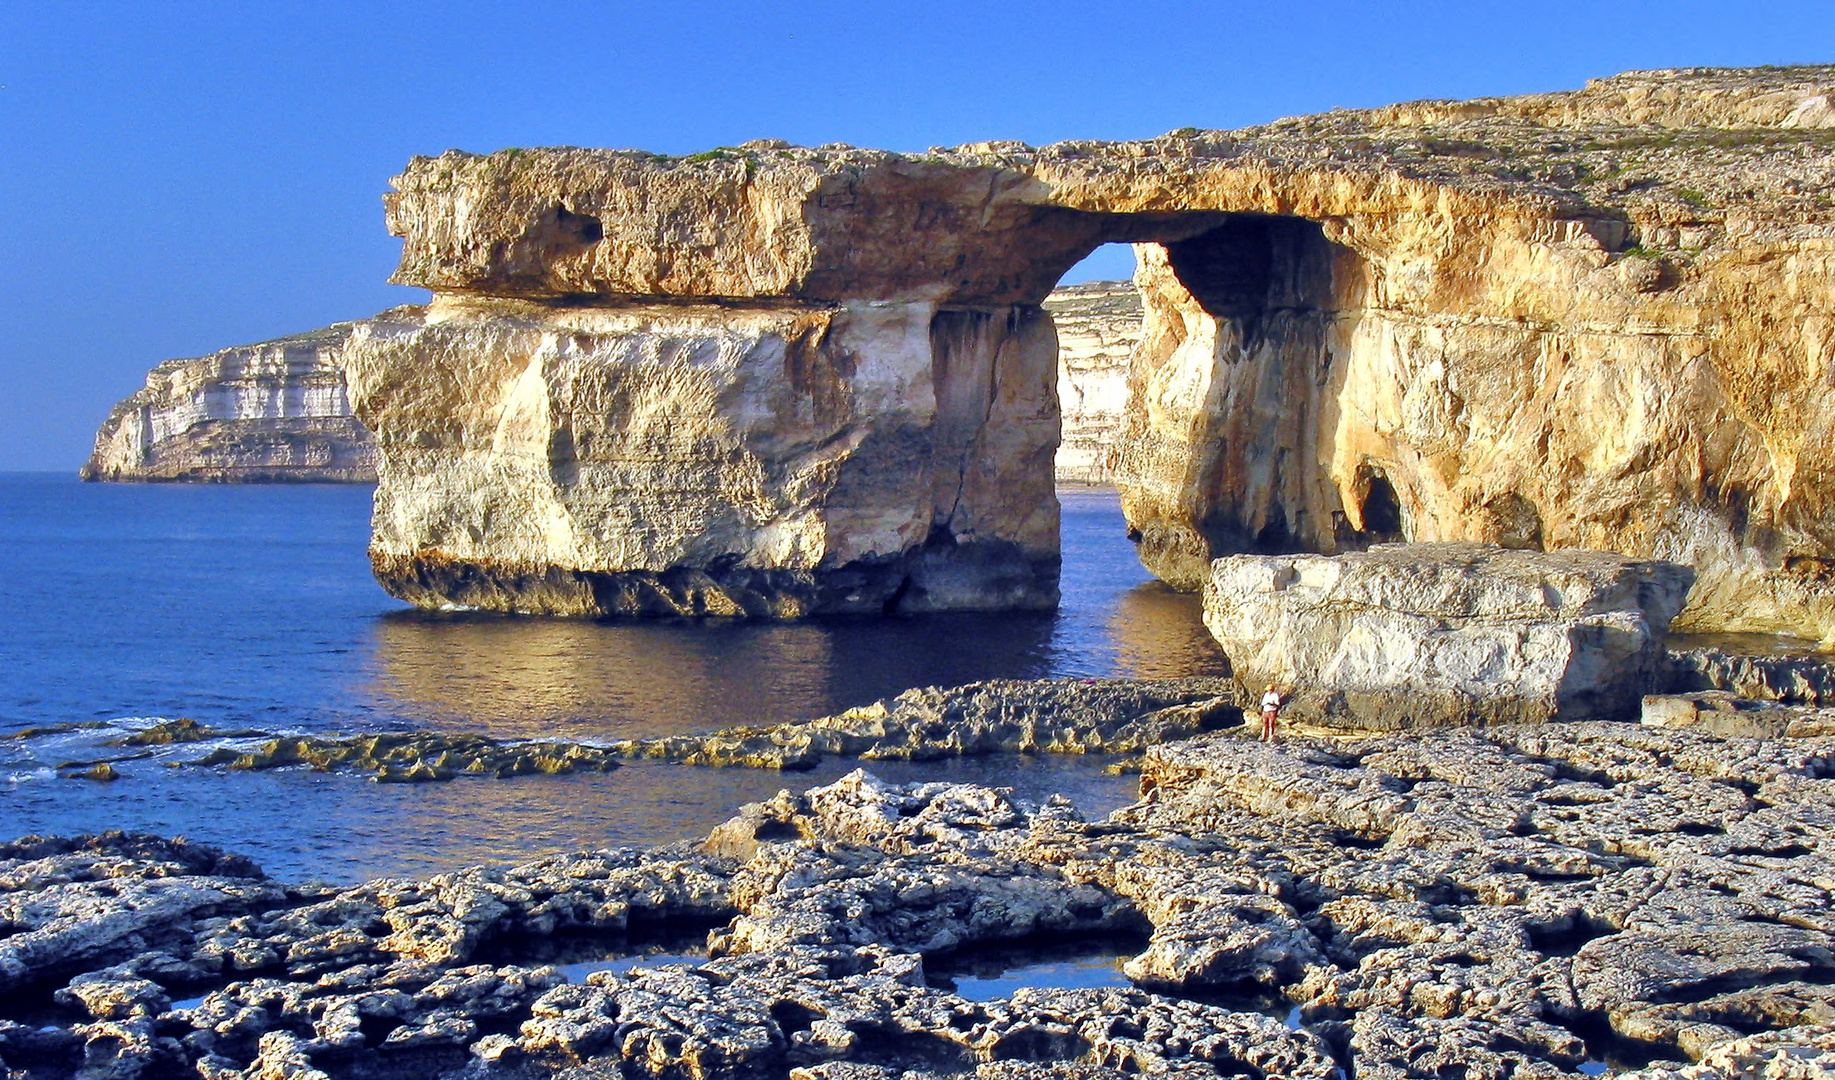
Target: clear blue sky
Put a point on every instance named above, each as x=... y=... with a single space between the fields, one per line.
x=176 y=177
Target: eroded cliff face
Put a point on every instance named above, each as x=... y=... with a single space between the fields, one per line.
x=1592 y=319
x=272 y=411
x=1609 y=327
x=278 y=410
x=772 y=461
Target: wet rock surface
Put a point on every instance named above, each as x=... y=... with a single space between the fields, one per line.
x=416 y=758
x=1430 y=635
x=1052 y=716
x=1514 y=901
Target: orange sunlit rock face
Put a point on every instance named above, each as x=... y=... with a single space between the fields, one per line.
x=1589 y=319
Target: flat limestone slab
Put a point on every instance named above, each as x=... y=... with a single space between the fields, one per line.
x=1724 y=713
x=1433 y=635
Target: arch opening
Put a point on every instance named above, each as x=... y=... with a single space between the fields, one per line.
x=1231 y=371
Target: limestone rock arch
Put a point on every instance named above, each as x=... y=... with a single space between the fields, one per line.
x=780 y=381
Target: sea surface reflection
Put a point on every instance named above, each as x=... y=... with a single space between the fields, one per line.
x=519 y=677
x=515 y=677
x=253 y=607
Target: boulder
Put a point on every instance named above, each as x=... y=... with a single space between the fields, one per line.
x=1429 y=635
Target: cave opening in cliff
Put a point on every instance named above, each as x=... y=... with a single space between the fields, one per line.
x=1381 y=510
x=1110 y=263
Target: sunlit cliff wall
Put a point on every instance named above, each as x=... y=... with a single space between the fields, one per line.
x=1598 y=318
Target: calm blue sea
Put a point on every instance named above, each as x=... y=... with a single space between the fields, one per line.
x=253 y=606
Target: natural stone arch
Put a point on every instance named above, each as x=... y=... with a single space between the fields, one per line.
x=743 y=349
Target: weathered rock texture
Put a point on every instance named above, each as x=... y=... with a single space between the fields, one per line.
x=1594 y=319
x=1429 y=635
x=1099 y=323
x=762 y=460
x=1798 y=677
x=1516 y=902
x=272 y=411
x=214 y=418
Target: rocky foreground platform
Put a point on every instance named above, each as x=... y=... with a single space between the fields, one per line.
x=1512 y=902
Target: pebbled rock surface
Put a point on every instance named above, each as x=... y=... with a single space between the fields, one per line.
x=1430 y=635
x=1513 y=901
x=273 y=411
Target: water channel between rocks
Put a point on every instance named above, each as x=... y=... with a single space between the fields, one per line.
x=253 y=607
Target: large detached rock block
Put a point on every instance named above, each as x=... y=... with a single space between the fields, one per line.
x=1427 y=635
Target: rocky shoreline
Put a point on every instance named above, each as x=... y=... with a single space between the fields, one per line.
x=1732 y=693
x=1049 y=716
x=1518 y=901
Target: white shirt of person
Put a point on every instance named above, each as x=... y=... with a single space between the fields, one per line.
x=1271 y=700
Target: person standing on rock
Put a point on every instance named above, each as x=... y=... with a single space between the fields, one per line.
x=1271 y=711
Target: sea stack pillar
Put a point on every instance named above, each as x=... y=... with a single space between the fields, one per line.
x=708 y=387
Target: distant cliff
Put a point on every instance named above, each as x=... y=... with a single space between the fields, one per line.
x=1098 y=326
x=277 y=410
x=272 y=411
